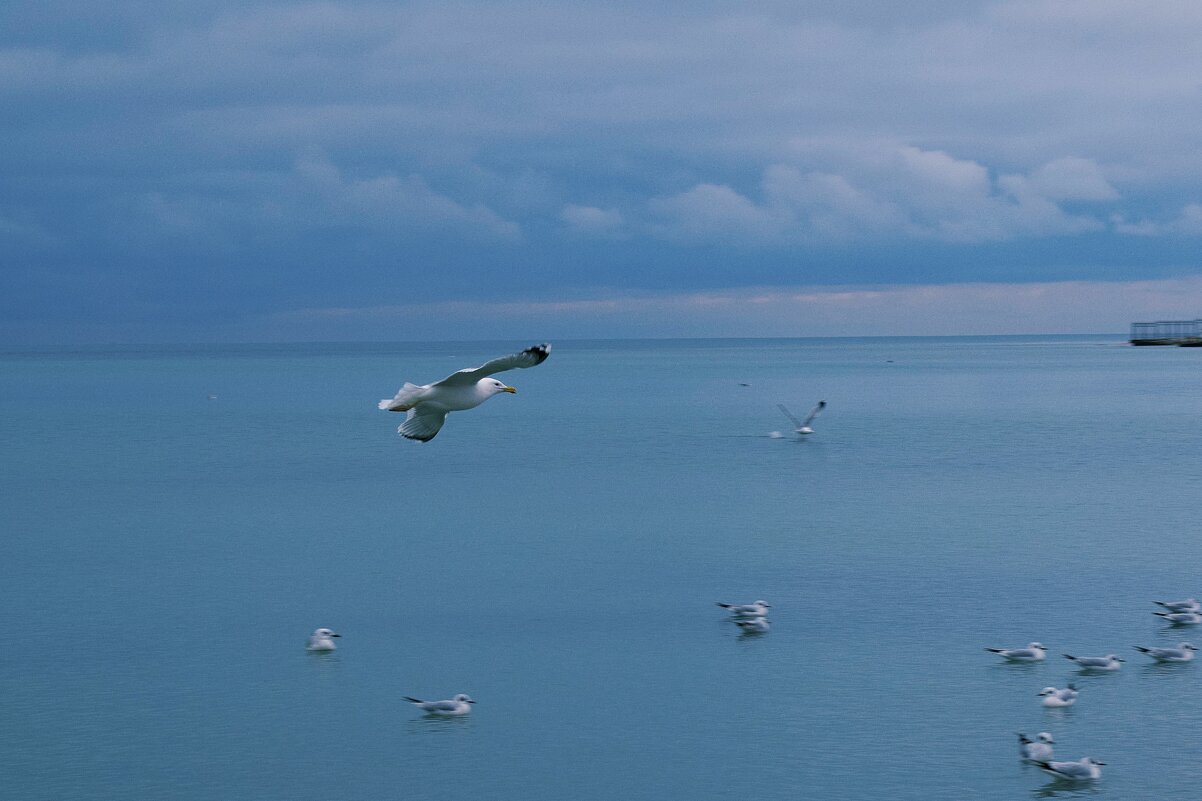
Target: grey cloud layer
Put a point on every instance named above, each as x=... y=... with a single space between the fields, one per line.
x=263 y=157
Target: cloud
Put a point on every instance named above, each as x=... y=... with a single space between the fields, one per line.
x=591 y=220
x=1187 y=223
x=907 y=192
x=879 y=310
x=391 y=200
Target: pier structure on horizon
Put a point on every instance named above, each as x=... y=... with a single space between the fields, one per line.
x=1186 y=333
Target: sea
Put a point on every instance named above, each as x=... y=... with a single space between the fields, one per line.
x=177 y=520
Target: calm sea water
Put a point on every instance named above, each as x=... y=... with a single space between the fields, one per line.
x=557 y=554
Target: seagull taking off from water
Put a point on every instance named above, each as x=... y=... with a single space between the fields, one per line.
x=757 y=609
x=1108 y=662
x=803 y=426
x=1083 y=769
x=1182 y=653
x=321 y=640
x=459 y=705
x=1034 y=652
x=427 y=406
x=1037 y=750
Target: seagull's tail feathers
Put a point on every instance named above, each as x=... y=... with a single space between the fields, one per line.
x=995 y=650
x=724 y=606
x=1070 y=656
x=412 y=700
x=403 y=401
x=1141 y=649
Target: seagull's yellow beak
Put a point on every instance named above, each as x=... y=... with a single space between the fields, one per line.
x=510 y=390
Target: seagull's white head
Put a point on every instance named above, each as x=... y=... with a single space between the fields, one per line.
x=494 y=387
x=1186 y=646
x=1044 y=737
x=762 y=603
x=1048 y=691
x=325 y=633
x=463 y=699
x=1036 y=646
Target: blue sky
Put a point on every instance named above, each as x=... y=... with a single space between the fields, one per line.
x=228 y=171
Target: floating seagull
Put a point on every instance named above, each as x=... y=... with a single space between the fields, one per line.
x=1108 y=662
x=1037 y=750
x=1181 y=618
x=803 y=426
x=1066 y=696
x=459 y=705
x=428 y=406
x=757 y=609
x=1188 y=605
x=1034 y=652
x=1083 y=769
x=320 y=640
x=1182 y=653
x=753 y=625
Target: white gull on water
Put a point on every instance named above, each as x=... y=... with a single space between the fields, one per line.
x=1187 y=605
x=321 y=640
x=427 y=406
x=1182 y=653
x=757 y=609
x=1084 y=768
x=1108 y=662
x=1034 y=652
x=1039 y=749
x=753 y=625
x=1065 y=696
x=1181 y=618
x=459 y=705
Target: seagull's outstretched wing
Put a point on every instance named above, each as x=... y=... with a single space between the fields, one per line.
x=527 y=358
x=813 y=413
x=422 y=423
x=796 y=423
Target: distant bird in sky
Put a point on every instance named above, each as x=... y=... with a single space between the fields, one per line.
x=1108 y=662
x=1182 y=653
x=427 y=406
x=1065 y=696
x=1039 y=749
x=459 y=705
x=1083 y=769
x=803 y=426
x=757 y=609
x=1181 y=618
x=1034 y=652
x=322 y=640
x=1187 y=605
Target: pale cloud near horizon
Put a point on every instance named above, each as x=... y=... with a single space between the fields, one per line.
x=1081 y=307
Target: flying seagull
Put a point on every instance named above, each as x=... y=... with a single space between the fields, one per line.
x=427 y=406
x=803 y=426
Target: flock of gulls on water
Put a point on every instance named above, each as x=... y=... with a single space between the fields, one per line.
x=1039 y=751
x=426 y=408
